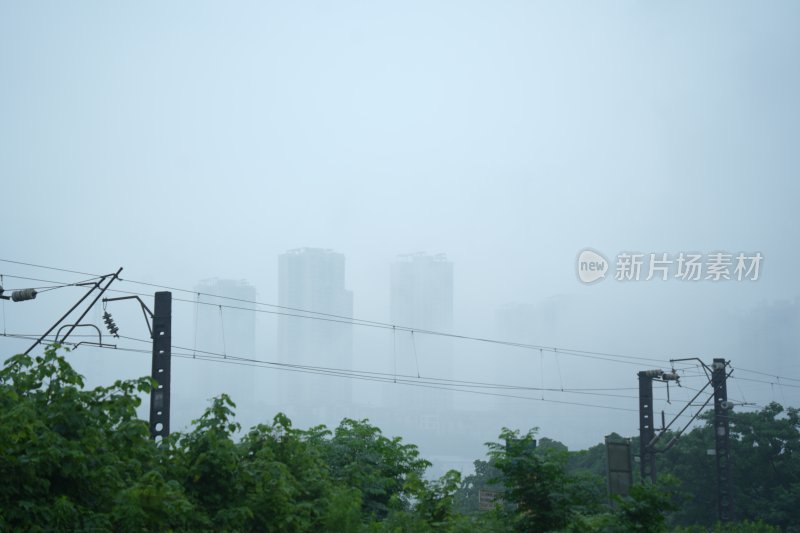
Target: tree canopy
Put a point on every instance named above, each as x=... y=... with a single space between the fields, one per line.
x=77 y=459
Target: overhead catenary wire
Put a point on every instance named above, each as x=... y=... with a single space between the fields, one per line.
x=575 y=353
x=196 y=317
x=541 y=371
x=395 y=377
x=222 y=327
x=440 y=384
x=766 y=382
x=218 y=358
x=385 y=374
x=434 y=383
x=455 y=385
x=601 y=391
x=571 y=352
x=767 y=374
x=735 y=400
x=394 y=352
x=558 y=366
x=311 y=314
x=414 y=348
x=542 y=389
x=53 y=284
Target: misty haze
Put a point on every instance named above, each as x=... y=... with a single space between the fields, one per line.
x=444 y=219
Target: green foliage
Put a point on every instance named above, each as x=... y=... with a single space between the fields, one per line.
x=739 y=527
x=68 y=451
x=359 y=456
x=765 y=458
x=435 y=500
x=769 y=477
x=543 y=495
x=208 y=465
x=79 y=460
x=646 y=506
x=153 y=504
x=485 y=477
x=288 y=484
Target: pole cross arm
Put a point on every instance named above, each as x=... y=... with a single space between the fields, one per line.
x=145 y=310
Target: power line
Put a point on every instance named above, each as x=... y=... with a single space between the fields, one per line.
x=379 y=377
x=178 y=289
x=391 y=376
x=357 y=322
x=767 y=374
x=218 y=358
x=47 y=267
x=575 y=353
x=767 y=382
x=316 y=315
x=354 y=321
x=55 y=284
x=385 y=377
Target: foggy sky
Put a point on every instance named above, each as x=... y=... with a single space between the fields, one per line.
x=192 y=140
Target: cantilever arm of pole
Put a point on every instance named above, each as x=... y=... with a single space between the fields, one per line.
x=94 y=286
x=145 y=310
x=705 y=366
x=674 y=439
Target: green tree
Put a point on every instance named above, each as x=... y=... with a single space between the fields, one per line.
x=543 y=495
x=209 y=465
x=360 y=456
x=486 y=477
x=153 y=504
x=765 y=459
x=765 y=453
x=289 y=484
x=67 y=452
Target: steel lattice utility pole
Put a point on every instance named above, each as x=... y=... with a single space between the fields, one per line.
x=721 y=438
x=647 y=432
x=162 y=363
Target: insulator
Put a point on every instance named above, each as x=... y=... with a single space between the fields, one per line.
x=670 y=376
x=651 y=373
x=23 y=294
x=110 y=325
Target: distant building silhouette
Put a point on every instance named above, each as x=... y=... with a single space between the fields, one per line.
x=422 y=291
x=770 y=335
x=313 y=279
x=422 y=298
